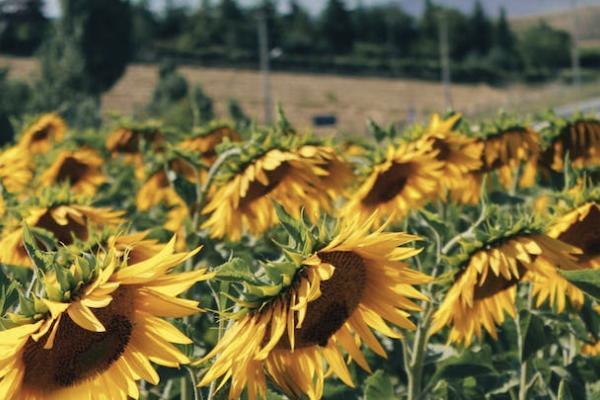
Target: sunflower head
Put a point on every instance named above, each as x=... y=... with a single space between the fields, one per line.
x=489 y=269
x=15 y=169
x=79 y=168
x=577 y=136
x=406 y=178
x=40 y=135
x=323 y=299
x=59 y=217
x=204 y=141
x=269 y=169
x=96 y=324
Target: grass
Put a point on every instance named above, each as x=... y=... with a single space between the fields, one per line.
x=353 y=100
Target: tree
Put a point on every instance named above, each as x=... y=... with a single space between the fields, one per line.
x=336 y=28
x=22 y=26
x=299 y=32
x=544 y=47
x=101 y=31
x=504 y=51
x=481 y=30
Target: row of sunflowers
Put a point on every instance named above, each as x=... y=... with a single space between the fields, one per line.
x=447 y=260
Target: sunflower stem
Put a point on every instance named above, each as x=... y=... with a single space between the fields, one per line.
x=212 y=172
x=221 y=300
x=523 y=383
x=415 y=370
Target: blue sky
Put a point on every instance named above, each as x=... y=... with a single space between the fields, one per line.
x=514 y=7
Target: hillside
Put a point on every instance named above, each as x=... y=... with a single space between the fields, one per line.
x=353 y=100
x=587 y=17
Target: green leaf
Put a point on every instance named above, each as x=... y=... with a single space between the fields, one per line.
x=32 y=249
x=535 y=334
x=293 y=227
x=563 y=391
x=237 y=270
x=469 y=363
x=379 y=387
x=588 y=280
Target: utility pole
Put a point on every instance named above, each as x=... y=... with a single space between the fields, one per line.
x=575 y=45
x=263 y=46
x=444 y=57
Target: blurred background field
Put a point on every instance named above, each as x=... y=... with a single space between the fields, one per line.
x=349 y=61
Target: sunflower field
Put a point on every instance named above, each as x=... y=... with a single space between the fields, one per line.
x=452 y=260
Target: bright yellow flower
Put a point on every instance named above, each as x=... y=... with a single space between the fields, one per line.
x=581 y=139
x=354 y=284
x=39 y=137
x=485 y=289
x=461 y=156
x=581 y=228
x=158 y=191
x=15 y=169
x=80 y=168
x=406 y=180
x=101 y=342
x=245 y=201
x=504 y=151
x=65 y=222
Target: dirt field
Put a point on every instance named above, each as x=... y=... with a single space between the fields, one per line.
x=352 y=100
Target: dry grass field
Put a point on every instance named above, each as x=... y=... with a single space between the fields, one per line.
x=351 y=99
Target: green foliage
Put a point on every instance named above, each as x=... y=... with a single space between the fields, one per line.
x=23 y=26
x=544 y=48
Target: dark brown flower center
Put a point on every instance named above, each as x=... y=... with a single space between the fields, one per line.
x=257 y=190
x=340 y=295
x=443 y=148
x=42 y=133
x=63 y=233
x=79 y=354
x=388 y=184
x=585 y=234
x=72 y=170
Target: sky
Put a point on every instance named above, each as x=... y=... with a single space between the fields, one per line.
x=515 y=8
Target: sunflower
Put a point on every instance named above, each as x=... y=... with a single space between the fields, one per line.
x=581 y=228
x=339 y=171
x=80 y=168
x=461 y=156
x=407 y=179
x=158 y=191
x=580 y=139
x=243 y=202
x=343 y=290
x=206 y=142
x=96 y=340
x=15 y=169
x=135 y=247
x=64 y=221
x=505 y=149
x=126 y=142
x=485 y=287
x=42 y=133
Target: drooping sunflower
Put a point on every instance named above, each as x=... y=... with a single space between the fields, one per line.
x=158 y=191
x=506 y=148
x=126 y=142
x=242 y=201
x=42 y=133
x=81 y=169
x=15 y=169
x=580 y=138
x=206 y=140
x=461 y=156
x=581 y=228
x=96 y=339
x=406 y=179
x=485 y=286
x=341 y=290
x=65 y=221
x=339 y=171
